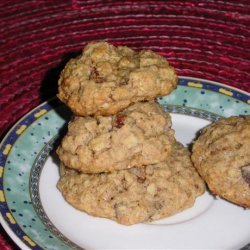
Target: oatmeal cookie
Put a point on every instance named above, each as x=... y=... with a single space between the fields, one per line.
x=221 y=154
x=138 y=194
x=105 y=79
x=139 y=135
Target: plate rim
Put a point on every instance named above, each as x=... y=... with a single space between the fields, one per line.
x=12 y=235
x=217 y=83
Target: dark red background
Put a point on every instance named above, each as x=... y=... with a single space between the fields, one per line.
x=207 y=39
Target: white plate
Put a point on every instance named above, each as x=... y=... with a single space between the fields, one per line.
x=36 y=216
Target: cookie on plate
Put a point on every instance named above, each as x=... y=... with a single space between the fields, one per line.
x=139 y=135
x=105 y=79
x=221 y=154
x=138 y=194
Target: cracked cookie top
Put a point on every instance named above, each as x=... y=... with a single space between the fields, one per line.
x=138 y=194
x=139 y=135
x=221 y=155
x=105 y=79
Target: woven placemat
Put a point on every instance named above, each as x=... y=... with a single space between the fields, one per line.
x=206 y=39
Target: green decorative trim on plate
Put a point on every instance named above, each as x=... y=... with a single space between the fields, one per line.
x=35 y=197
x=208 y=96
x=191 y=112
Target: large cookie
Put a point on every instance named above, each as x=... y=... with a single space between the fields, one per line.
x=221 y=155
x=106 y=79
x=139 y=135
x=138 y=194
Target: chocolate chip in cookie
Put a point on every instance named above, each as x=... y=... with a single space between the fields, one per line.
x=245 y=171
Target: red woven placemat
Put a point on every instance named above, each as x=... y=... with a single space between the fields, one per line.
x=207 y=39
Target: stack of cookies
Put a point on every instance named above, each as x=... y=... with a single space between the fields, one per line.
x=119 y=158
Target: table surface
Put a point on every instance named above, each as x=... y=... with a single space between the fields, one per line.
x=206 y=39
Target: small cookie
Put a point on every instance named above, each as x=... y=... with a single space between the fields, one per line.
x=221 y=154
x=139 y=135
x=106 y=79
x=138 y=194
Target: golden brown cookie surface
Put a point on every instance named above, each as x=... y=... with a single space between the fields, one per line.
x=221 y=155
x=106 y=79
x=139 y=135
x=138 y=194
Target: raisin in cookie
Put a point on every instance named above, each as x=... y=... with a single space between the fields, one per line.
x=221 y=155
x=137 y=136
x=106 y=79
x=138 y=194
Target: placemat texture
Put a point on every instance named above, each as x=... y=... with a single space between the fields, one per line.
x=207 y=39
